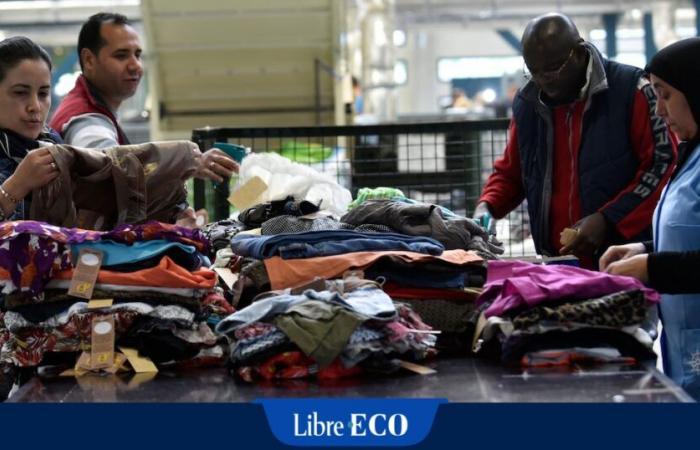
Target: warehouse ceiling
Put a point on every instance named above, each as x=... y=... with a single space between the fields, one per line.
x=479 y=10
x=56 y=20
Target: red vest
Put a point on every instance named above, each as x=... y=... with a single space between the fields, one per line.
x=81 y=101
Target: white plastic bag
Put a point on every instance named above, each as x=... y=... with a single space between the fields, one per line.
x=284 y=177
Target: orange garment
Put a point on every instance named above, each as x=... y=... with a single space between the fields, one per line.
x=165 y=274
x=284 y=273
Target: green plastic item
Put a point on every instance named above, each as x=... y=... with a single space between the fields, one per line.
x=378 y=193
x=305 y=152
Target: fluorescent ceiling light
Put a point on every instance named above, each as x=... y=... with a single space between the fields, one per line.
x=63 y=4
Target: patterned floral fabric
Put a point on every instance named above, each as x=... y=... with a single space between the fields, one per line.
x=28 y=343
x=249 y=349
x=254 y=339
x=157 y=230
x=253 y=330
x=4 y=332
x=402 y=337
x=290 y=365
x=26 y=348
x=259 y=349
x=32 y=251
x=16 y=322
x=216 y=307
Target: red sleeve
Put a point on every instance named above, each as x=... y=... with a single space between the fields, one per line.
x=504 y=188
x=656 y=147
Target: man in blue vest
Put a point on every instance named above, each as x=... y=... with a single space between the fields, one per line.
x=585 y=147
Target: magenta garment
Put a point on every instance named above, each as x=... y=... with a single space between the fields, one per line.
x=517 y=284
x=30 y=251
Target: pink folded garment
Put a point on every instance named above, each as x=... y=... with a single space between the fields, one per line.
x=516 y=284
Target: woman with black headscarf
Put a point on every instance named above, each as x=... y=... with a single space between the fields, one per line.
x=670 y=262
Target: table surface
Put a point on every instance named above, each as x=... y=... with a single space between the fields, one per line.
x=456 y=379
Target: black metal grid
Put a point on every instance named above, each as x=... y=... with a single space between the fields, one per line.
x=444 y=163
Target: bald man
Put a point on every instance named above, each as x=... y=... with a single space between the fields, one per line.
x=585 y=147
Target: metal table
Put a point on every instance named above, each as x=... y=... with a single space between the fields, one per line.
x=457 y=380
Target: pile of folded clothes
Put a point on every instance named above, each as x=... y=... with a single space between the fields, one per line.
x=164 y=301
x=340 y=328
x=548 y=315
x=422 y=255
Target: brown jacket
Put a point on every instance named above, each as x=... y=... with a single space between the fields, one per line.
x=126 y=184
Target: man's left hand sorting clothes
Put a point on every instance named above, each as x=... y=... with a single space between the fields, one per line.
x=590 y=237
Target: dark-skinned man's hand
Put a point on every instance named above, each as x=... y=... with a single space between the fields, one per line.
x=590 y=237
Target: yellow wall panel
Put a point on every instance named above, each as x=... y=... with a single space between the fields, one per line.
x=248 y=60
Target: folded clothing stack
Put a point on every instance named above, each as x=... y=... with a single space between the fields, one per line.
x=164 y=301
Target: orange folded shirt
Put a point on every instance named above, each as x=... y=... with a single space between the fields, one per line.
x=165 y=274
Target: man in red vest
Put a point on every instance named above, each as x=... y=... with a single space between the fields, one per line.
x=109 y=50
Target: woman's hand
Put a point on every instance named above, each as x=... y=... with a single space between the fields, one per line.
x=620 y=252
x=635 y=266
x=36 y=170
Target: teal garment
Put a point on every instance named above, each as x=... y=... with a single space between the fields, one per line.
x=677 y=229
x=117 y=253
x=378 y=193
x=321 y=330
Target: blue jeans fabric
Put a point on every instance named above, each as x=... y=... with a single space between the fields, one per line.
x=371 y=302
x=326 y=243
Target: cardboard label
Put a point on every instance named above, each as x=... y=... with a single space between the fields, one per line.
x=102 y=342
x=83 y=366
x=119 y=361
x=247 y=195
x=140 y=378
x=201 y=218
x=140 y=364
x=567 y=236
x=229 y=278
x=100 y=304
x=85 y=274
x=480 y=324
x=417 y=368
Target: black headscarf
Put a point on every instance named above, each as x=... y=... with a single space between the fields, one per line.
x=678 y=66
